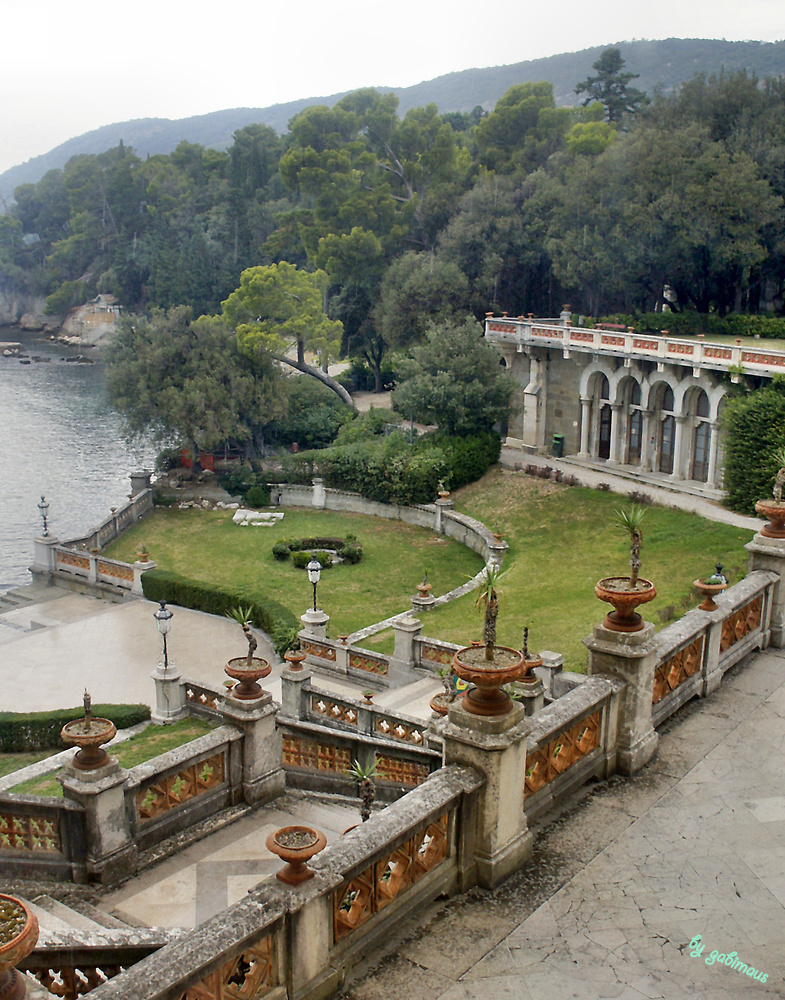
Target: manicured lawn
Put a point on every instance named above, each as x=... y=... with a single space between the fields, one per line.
x=153 y=741
x=562 y=541
x=206 y=545
x=13 y=761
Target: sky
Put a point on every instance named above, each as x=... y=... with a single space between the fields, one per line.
x=67 y=68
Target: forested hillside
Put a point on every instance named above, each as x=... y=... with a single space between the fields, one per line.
x=663 y=64
x=610 y=205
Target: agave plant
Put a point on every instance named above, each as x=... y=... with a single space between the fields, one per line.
x=364 y=774
x=631 y=518
x=779 y=479
x=244 y=618
x=488 y=599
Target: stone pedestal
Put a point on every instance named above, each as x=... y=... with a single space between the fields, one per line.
x=497 y=748
x=140 y=567
x=531 y=694
x=400 y=670
x=291 y=691
x=422 y=604
x=769 y=554
x=319 y=497
x=630 y=657
x=552 y=666
x=111 y=852
x=442 y=506
x=140 y=481
x=44 y=556
x=314 y=624
x=169 y=695
x=263 y=776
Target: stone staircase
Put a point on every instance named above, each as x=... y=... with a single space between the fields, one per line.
x=81 y=946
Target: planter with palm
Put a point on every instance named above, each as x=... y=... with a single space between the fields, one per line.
x=626 y=593
x=246 y=669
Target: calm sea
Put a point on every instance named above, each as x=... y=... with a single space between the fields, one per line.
x=60 y=438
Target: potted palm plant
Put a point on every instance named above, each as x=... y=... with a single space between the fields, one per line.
x=487 y=665
x=246 y=669
x=626 y=593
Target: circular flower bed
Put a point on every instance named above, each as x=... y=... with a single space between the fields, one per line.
x=328 y=550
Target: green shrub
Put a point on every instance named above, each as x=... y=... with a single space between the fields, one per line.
x=755 y=429
x=257 y=496
x=69 y=295
x=469 y=457
x=301 y=559
x=314 y=415
x=21 y=732
x=281 y=551
x=266 y=614
x=690 y=323
x=351 y=552
x=367 y=426
x=358 y=377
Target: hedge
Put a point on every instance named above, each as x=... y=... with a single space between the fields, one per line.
x=22 y=732
x=266 y=614
x=300 y=549
x=755 y=428
x=691 y=323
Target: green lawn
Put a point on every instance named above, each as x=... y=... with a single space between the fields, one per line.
x=154 y=740
x=10 y=762
x=206 y=545
x=562 y=540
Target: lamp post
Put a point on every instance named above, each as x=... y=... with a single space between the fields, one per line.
x=314 y=568
x=43 y=506
x=163 y=617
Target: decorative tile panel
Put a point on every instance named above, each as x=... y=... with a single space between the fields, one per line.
x=71 y=982
x=562 y=752
x=741 y=623
x=370 y=664
x=173 y=790
x=402 y=772
x=248 y=976
x=320 y=650
x=301 y=752
x=115 y=570
x=72 y=559
x=379 y=884
x=394 y=729
x=336 y=711
x=199 y=696
x=28 y=832
x=677 y=669
x=436 y=654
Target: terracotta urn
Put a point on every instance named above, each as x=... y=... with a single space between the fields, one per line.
x=440 y=703
x=710 y=587
x=488 y=676
x=89 y=734
x=424 y=589
x=368 y=696
x=774 y=510
x=294 y=659
x=18 y=937
x=247 y=675
x=295 y=845
x=625 y=598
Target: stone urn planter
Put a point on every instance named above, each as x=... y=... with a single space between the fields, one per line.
x=295 y=845
x=625 y=595
x=440 y=703
x=294 y=659
x=89 y=734
x=774 y=510
x=239 y=669
x=710 y=587
x=488 y=676
x=18 y=937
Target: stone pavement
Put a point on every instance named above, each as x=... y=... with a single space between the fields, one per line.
x=620 y=885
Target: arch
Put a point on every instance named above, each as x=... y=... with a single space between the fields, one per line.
x=588 y=377
x=596 y=413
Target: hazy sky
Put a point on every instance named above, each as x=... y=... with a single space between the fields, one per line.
x=67 y=68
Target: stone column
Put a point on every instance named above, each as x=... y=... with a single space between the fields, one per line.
x=319 y=497
x=647 y=445
x=711 y=476
x=769 y=554
x=442 y=505
x=400 y=668
x=111 y=852
x=630 y=657
x=613 y=458
x=140 y=568
x=169 y=695
x=263 y=777
x=497 y=748
x=585 y=427
x=678 y=447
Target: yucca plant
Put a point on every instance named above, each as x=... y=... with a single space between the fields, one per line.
x=244 y=618
x=488 y=599
x=631 y=518
x=779 y=478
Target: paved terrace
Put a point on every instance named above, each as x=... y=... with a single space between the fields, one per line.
x=617 y=889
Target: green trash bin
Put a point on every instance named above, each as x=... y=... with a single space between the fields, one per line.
x=557 y=449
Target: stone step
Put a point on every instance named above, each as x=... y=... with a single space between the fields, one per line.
x=56 y=916
x=100 y=917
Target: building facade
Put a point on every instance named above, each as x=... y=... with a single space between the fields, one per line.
x=650 y=404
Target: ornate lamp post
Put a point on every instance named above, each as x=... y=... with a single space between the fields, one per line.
x=163 y=617
x=314 y=568
x=43 y=507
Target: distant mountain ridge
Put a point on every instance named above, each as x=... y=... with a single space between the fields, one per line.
x=665 y=63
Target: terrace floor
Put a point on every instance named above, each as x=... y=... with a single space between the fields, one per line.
x=637 y=868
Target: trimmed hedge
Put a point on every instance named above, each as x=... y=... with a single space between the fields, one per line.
x=268 y=615
x=755 y=429
x=300 y=549
x=22 y=732
x=301 y=559
x=691 y=323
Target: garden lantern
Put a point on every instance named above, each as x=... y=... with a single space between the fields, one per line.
x=163 y=617
x=314 y=568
